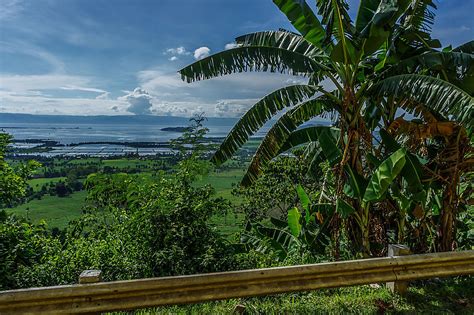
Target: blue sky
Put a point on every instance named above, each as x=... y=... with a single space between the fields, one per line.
x=116 y=57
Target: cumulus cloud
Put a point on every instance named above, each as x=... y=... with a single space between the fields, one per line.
x=231 y=45
x=201 y=52
x=177 y=51
x=139 y=102
x=232 y=107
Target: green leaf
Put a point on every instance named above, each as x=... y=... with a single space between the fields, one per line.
x=435 y=94
x=385 y=12
x=278 y=135
x=335 y=17
x=279 y=223
x=357 y=184
x=294 y=221
x=455 y=67
x=412 y=172
x=344 y=208
x=305 y=135
x=329 y=146
x=388 y=141
x=305 y=202
x=365 y=13
x=337 y=54
x=251 y=58
x=384 y=175
x=466 y=48
x=303 y=19
x=258 y=115
x=282 y=39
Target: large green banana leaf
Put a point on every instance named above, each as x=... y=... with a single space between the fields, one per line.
x=282 y=39
x=384 y=175
x=258 y=115
x=303 y=19
x=435 y=94
x=251 y=58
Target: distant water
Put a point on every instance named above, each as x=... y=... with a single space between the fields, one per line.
x=79 y=129
x=76 y=133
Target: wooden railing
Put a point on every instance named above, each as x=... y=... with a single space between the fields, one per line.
x=133 y=294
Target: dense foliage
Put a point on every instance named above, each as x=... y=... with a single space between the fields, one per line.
x=400 y=144
x=133 y=226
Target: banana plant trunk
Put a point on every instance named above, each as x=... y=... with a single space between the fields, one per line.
x=446 y=230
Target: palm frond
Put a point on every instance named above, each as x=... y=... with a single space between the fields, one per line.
x=281 y=131
x=302 y=136
x=313 y=157
x=467 y=48
x=243 y=59
x=419 y=16
x=334 y=14
x=365 y=14
x=282 y=39
x=434 y=93
x=259 y=114
x=455 y=67
x=303 y=19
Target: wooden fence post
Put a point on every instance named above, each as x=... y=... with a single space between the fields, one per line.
x=399 y=287
x=90 y=276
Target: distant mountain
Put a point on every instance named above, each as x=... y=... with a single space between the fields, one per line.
x=11 y=118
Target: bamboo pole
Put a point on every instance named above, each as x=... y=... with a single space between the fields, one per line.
x=141 y=293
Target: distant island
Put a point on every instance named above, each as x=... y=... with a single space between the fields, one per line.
x=176 y=129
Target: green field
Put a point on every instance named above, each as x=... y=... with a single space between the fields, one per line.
x=37 y=183
x=124 y=163
x=222 y=182
x=56 y=211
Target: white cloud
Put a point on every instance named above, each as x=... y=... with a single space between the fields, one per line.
x=177 y=51
x=233 y=107
x=24 y=83
x=231 y=45
x=139 y=102
x=103 y=96
x=201 y=52
x=81 y=88
x=43 y=104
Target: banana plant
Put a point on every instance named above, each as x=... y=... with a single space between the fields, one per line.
x=307 y=231
x=383 y=63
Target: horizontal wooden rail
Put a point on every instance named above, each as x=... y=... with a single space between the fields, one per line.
x=133 y=294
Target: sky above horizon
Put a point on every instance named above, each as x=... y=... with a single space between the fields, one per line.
x=117 y=57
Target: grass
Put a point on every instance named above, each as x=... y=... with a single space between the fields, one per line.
x=37 y=183
x=450 y=296
x=56 y=211
x=83 y=161
x=124 y=163
x=222 y=182
x=229 y=224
